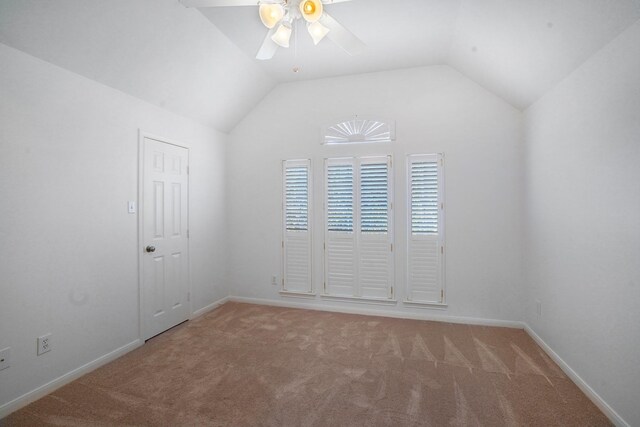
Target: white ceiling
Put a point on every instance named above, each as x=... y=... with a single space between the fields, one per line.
x=518 y=49
x=173 y=57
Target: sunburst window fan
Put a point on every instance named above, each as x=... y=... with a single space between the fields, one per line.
x=279 y=16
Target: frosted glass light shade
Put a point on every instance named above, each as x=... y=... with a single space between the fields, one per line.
x=311 y=10
x=317 y=31
x=271 y=14
x=282 y=35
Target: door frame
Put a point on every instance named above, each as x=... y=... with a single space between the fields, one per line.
x=142 y=135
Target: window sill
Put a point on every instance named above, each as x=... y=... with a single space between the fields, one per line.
x=360 y=300
x=436 y=305
x=295 y=294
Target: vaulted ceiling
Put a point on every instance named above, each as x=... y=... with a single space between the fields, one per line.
x=518 y=49
x=174 y=57
x=155 y=50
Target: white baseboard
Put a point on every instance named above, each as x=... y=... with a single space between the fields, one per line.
x=386 y=313
x=55 y=384
x=582 y=385
x=209 y=307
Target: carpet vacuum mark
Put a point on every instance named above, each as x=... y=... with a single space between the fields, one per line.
x=252 y=365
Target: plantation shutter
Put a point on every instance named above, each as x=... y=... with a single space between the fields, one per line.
x=296 y=243
x=358 y=253
x=340 y=242
x=425 y=258
x=374 y=242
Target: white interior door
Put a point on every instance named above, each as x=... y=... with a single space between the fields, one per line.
x=165 y=276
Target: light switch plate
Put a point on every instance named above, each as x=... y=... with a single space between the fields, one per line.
x=131 y=207
x=5 y=356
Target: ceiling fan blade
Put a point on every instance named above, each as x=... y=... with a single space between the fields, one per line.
x=218 y=3
x=268 y=48
x=341 y=36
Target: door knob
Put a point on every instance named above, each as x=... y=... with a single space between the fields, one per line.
x=150 y=248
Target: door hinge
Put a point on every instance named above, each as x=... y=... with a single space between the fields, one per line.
x=283 y=283
x=442 y=249
x=441 y=295
x=392 y=292
x=441 y=205
x=392 y=247
x=283 y=244
x=325 y=287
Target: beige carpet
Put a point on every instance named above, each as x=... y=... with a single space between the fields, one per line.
x=250 y=365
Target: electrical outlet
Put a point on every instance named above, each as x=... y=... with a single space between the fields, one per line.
x=274 y=280
x=44 y=344
x=538 y=308
x=5 y=356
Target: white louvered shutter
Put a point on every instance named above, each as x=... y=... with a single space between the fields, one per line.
x=340 y=241
x=297 y=226
x=425 y=257
x=375 y=264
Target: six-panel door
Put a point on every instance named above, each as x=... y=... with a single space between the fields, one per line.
x=165 y=286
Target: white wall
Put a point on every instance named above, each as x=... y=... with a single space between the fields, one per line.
x=68 y=247
x=436 y=110
x=583 y=221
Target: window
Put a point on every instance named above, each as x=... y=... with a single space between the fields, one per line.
x=358 y=238
x=340 y=197
x=296 y=241
x=374 y=198
x=425 y=251
x=359 y=130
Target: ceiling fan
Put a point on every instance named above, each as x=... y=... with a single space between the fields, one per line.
x=280 y=17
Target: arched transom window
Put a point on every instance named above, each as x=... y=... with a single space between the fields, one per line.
x=359 y=130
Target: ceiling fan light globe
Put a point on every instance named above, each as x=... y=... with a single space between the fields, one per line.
x=282 y=36
x=311 y=10
x=317 y=31
x=309 y=7
x=271 y=14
